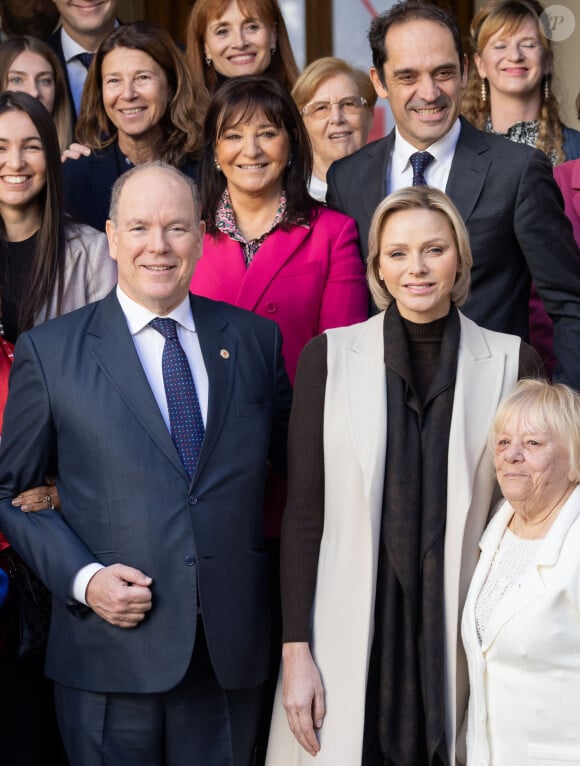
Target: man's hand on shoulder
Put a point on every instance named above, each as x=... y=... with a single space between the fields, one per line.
x=120 y=595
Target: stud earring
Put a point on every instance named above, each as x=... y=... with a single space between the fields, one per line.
x=208 y=60
x=218 y=167
x=483 y=90
x=273 y=51
x=289 y=163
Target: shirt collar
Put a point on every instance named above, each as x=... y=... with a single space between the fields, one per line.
x=70 y=48
x=138 y=317
x=442 y=150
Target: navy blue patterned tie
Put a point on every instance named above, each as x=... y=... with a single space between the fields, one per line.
x=86 y=59
x=185 y=419
x=420 y=161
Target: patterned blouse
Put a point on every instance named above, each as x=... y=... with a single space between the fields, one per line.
x=225 y=220
x=520 y=133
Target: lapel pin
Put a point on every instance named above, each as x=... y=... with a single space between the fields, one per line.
x=224 y=353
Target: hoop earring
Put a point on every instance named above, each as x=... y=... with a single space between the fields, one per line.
x=546 y=87
x=483 y=90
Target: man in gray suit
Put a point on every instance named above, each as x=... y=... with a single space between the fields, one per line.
x=504 y=191
x=159 y=639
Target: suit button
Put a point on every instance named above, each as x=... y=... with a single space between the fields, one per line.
x=192 y=500
x=271 y=308
x=189 y=560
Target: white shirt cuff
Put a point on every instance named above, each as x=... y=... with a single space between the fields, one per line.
x=81 y=581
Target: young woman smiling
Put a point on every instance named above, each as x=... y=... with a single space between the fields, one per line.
x=29 y=65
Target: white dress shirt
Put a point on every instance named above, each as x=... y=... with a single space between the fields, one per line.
x=400 y=171
x=149 y=345
x=76 y=71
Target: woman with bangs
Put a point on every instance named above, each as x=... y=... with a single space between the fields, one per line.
x=138 y=105
x=269 y=247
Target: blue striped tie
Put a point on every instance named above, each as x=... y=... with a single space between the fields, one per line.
x=186 y=422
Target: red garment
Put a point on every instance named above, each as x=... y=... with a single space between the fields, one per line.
x=6 y=357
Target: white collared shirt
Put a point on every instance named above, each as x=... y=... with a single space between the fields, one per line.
x=149 y=345
x=76 y=70
x=400 y=172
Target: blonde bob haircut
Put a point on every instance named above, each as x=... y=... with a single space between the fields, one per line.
x=418 y=198
x=324 y=68
x=539 y=406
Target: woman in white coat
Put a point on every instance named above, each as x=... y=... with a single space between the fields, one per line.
x=389 y=491
x=521 y=624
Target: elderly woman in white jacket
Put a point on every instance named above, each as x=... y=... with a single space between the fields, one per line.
x=521 y=623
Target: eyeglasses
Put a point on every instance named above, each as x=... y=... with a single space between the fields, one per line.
x=319 y=110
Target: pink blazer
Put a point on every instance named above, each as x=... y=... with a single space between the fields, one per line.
x=567 y=177
x=308 y=279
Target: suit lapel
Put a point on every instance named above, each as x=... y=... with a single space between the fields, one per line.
x=366 y=395
x=469 y=169
x=274 y=253
x=478 y=389
x=531 y=584
x=372 y=180
x=219 y=350
x=109 y=342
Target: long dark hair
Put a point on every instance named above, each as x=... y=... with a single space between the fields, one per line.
x=181 y=125
x=237 y=100
x=48 y=261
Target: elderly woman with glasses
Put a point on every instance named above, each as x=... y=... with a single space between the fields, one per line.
x=336 y=102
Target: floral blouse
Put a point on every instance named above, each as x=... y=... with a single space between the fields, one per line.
x=225 y=220
x=520 y=133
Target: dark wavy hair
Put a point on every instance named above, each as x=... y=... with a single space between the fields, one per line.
x=61 y=115
x=182 y=122
x=235 y=102
x=48 y=260
x=401 y=13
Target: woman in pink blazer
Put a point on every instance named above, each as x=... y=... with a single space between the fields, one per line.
x=269 y=247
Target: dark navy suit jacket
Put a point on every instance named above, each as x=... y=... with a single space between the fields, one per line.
x=88 y=182
x=80 y=406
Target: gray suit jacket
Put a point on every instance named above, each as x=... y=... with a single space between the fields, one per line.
x=514 y=214
x=80 y=406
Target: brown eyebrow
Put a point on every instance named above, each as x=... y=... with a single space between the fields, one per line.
x=22 y=71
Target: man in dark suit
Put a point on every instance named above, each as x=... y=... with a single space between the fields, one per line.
x=159 y=640
x=85 y=24
x=505 y=192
